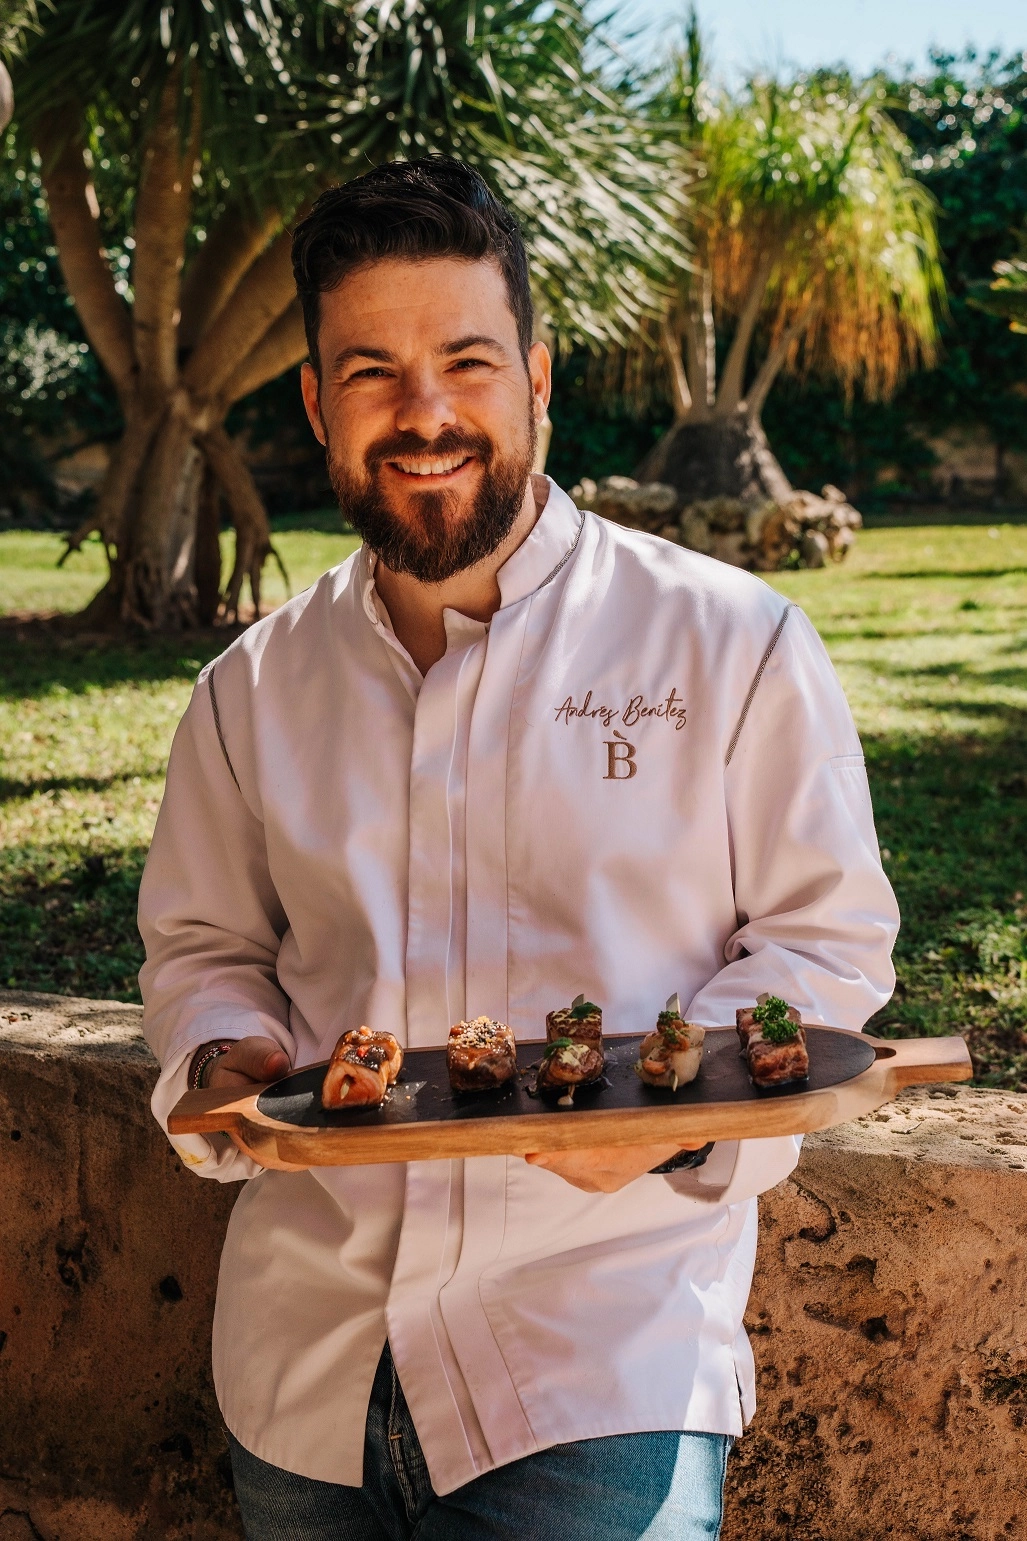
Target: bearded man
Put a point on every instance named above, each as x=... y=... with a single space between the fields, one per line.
x=504 y=754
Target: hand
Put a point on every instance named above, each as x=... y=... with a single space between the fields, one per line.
x=607 y=1168
x=251 y=1062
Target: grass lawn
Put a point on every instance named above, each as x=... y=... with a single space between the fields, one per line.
x=927 y=624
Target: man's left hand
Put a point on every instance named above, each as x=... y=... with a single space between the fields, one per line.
x=605 y=1169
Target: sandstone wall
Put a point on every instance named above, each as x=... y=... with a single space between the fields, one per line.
x=887 y=1316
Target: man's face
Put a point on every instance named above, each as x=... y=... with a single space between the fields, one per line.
x=427 y=410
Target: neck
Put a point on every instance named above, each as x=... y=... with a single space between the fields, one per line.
x=416 y=608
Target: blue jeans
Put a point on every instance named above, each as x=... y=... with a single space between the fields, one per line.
x=629 y=1487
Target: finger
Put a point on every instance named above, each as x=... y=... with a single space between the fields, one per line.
x=270 y=1163
x=247 y=1061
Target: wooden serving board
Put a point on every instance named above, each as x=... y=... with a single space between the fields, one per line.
x=423 y=1120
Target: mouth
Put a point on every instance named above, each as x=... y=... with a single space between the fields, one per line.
x=437 y=469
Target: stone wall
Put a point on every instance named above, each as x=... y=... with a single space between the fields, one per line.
x=887 y=1316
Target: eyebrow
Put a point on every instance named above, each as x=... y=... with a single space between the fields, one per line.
x=475 y=340
x=447 y=350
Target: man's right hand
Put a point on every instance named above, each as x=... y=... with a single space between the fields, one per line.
x=249 y=1061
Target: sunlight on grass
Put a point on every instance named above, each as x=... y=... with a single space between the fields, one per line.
x=32 y=583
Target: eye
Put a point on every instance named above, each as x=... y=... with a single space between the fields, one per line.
x=465 y=364
x=372 y=372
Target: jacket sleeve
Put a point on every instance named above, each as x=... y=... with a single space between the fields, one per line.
x=816 y=916
x=211 y=923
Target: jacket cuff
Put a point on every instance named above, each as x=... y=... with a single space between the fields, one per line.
x=211 y=1155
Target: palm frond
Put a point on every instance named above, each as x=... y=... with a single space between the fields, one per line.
x=296 y=95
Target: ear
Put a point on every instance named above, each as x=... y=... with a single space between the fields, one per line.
x=310 y=387
x=540 y=373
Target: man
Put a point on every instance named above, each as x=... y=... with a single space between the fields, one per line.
x=505 y=753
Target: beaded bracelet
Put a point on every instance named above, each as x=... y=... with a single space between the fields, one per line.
x=212 y=1052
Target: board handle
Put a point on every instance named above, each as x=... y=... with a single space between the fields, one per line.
x=213 y=1110
x=923 y=1061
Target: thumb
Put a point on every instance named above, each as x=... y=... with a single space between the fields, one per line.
x=250 y=1059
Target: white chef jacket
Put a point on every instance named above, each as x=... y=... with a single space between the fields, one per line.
x=610 y=788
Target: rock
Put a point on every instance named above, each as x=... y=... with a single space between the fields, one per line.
x=758 y=533
x=642 y=506
x=695 y=532
x=814 y=548
x=731 y=548
x=583 y=494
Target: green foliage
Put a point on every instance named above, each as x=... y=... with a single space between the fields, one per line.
x=1006 y=295
x=51 y=387
x=870 y=448
x=967 y=121
x=596 y=432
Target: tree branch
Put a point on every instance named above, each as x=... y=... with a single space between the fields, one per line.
x=701 y=345
x=233 y=244
x=732 y=380
x=74 y=215
x=777 y=357
x=282 y=345
x=681 y=395
x=258 y=301
x=161 y=221
x=252 y=532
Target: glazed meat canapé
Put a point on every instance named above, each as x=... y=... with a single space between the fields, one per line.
x=481 y=1055
x=362 y=1069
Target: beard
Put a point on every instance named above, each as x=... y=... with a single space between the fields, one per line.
x=441 y=535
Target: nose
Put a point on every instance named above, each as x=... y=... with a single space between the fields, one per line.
x=424 y=406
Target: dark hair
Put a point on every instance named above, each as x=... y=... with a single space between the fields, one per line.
x=414 y=210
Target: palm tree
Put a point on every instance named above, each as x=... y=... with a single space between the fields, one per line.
x=206 y=126
x=814 y=250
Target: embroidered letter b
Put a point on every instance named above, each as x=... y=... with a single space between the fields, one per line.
x=619 y=753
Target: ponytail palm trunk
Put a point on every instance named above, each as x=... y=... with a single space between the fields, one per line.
x=221 y=119
x=179 y=357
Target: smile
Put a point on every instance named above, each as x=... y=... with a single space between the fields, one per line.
x=432 y=467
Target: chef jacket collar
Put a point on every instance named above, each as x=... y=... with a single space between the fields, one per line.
x=537 y=560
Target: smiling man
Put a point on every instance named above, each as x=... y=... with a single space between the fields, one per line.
x=504 y=754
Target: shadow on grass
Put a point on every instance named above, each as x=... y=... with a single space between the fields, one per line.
x=38 y=656
x=935 y=574
x=67 y=922
x=11 y=790
x=939 y=518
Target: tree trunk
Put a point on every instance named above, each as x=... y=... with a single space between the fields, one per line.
x=717 y=458
x=166 y=565
x=190 y=345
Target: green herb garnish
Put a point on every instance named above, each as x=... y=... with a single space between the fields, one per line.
x=557 y=1043
x=586 y=1009
x=773 y=1018
x=666 y=1018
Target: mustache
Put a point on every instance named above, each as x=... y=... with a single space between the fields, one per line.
x=451 y=441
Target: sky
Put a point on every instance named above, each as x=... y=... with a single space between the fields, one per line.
x=860 y=33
